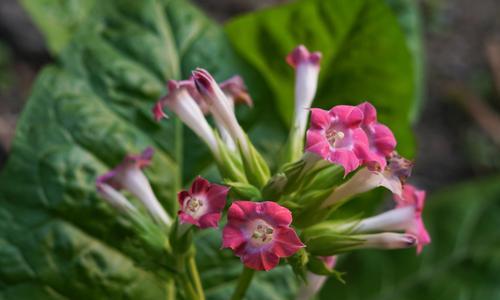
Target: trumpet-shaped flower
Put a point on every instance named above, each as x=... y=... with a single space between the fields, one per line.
x=128 y=175
x=185 y=102
x=336 y=136
x=381 y=140
x=415 y=199
x=392 y=178
x=306 y=65
x=236 y=93
x=220 y=106
x=202 y=205
x=260 y=234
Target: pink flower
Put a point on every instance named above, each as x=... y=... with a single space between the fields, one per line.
x=381 y=140
x=202 y=204
x=128 y=175
x=415 y=198
x=336 y=136
x=260 y=234
x=220 y=107
x=184 y=100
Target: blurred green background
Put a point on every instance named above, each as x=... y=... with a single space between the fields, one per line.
x=433 y=67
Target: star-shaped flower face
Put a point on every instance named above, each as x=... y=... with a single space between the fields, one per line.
x=416 y=198
x=202 y=204
x=260 y=234
x=336 y=136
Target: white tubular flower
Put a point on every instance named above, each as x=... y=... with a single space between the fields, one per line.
x=386 y=240
x=183 y=100
x=306 y=66
x=396 y=172
x=128 y=175
x=220 y=107
x=115 y=198
x=236 y=92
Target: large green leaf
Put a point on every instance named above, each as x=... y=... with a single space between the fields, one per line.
x=365 y=56
x=462 y=262
x=58 y=240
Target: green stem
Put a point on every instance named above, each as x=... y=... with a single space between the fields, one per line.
x=243 y=284
x=185 y=281
x=193 y=271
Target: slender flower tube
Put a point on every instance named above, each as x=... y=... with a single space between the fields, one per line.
x=185 y=102
x=392 y=177
x=260 y=233
x=256 y=169
x=307 y=66
x=114 y=198
x=315 y=282
x=386 y=240
x=219 y=106
x=128 y=175
x=236 y=92
x=414 y=198
x=336 y=136
x=202 y=205
x=381 y=140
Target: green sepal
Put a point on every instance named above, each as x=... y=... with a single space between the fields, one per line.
x=309 y=211
x=229 y=162
x=274 y=187
x=256 y=168
x=318 y=266
x=181 y=242
x=327 y=239
x=327 y=177
x=243 y=190
x=299 y=262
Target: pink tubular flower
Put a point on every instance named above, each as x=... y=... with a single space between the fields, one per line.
x=414 y=198
x=202 y=204
x=236 y=93
x=128 y=175
x=219 y=106
x=260 y=234
x=336 y=136
x=187 y=104
x=381 y=140
x=306 y=67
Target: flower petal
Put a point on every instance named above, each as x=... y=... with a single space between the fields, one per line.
x=279 y=215
x=216 y=196
x=350 y=116
x=209 y=220
x=346 y=158
x=260 y=260
x=317 y=143
x=232 y=237
x=286 y=242
x=369 y=112
x=320 y=118
x=200 y=186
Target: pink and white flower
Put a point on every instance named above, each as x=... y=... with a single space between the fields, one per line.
x=260 y=233
x=407 y=216
x=128 y=175
x=415 y=199
x=306 y=65
x=392 y=178
x=381 y=140
x=220 y=107
x=336 y=136
x=202 y=205
x=186 y=103
x=236 y=93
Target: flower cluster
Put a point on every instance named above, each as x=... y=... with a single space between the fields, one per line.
x=286 y=216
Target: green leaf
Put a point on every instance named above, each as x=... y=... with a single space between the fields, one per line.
x=58 y=19
x=462 y=262
x=59 y=240
x=365 y=56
